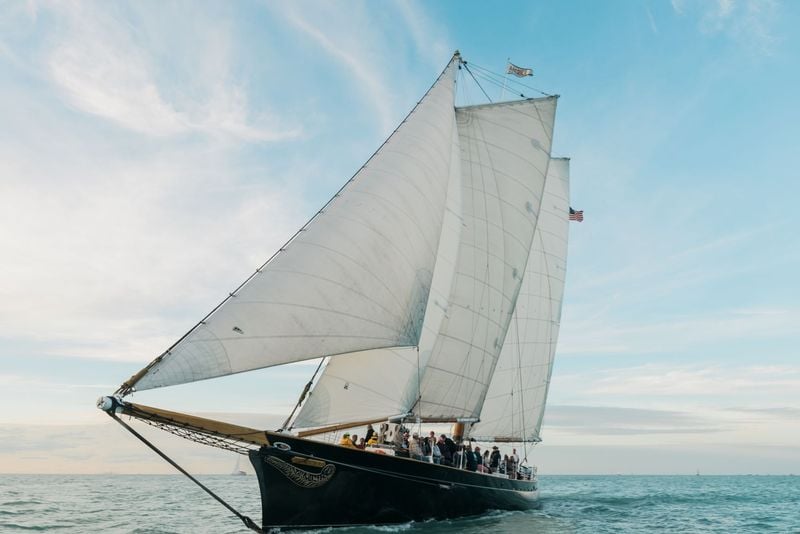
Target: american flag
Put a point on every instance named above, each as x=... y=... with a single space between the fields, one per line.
x=575 y=215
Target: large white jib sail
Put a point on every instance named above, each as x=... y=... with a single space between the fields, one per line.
x=356 y=277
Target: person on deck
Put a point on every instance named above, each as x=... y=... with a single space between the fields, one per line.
x=447 y=456
x=436 y=451
x=397 y=439
x=494 y=459
x=451 y=445
x=511 y=467
x=414 y=449
x=369 y=434
x=346 y=441
x=470 y=460
x=479 y=460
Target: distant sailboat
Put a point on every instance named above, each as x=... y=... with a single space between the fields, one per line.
x=431 y=284
x=237 y=471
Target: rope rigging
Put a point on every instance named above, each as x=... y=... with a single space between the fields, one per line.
x=500 y=80
x=249 y=523
x=476 y=81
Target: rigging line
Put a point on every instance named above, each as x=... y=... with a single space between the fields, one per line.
x=519 y=375
x=498 y=84
x=520 y=94
x=246 y=520
x=476 y=81
x=302 y=396
x=419 y=396
x=489 y=72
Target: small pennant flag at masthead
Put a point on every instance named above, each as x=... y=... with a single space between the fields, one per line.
x=575 y=215
x=519 y=71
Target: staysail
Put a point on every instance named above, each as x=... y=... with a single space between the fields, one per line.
x=380 y=383
x=515 y=401
x=356 y=277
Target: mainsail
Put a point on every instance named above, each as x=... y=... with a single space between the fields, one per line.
x=493 y=203
x=356 y=277
x=505 y=151
x=515 y=401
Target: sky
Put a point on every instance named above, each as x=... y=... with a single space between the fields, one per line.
x=152 y=155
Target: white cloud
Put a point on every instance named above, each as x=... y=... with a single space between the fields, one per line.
x=113 y=256
x=650 y=19
x=747 y=22
x=112 y=82
x=602 y=335
x=346 y=39
x=429 y=39
x=712 y=389
x=102 y=68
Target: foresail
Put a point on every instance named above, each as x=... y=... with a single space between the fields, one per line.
x=516 y=397
x=505 y=152
x=356 y=277
x=361 y=386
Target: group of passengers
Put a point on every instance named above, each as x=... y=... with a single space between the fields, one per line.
x=442 y=450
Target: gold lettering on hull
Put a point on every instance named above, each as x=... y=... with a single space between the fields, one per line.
x=301 y=477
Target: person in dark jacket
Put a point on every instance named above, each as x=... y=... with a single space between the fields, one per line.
x=447 y=455
x=469 y=456
x=494 y=459
x=451 y=445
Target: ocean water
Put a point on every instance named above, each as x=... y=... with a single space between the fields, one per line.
x=149 y=504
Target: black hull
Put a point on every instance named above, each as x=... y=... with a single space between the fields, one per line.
x=310 y=484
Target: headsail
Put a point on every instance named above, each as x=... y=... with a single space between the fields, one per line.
x=356 y=277
x=516 y=398
x=505 y=151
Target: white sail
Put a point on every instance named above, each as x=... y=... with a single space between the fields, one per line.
x=362 y=386
x=379 y=383
x=516 y=397
x=493 y=203
x=356 y=277
x=505 y=152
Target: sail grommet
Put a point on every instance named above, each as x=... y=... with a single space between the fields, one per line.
x=282 y=446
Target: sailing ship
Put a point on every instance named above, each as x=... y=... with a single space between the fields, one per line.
x=431 y=287
x=237 y=471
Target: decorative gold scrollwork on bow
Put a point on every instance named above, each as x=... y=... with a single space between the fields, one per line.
x=301 y=477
